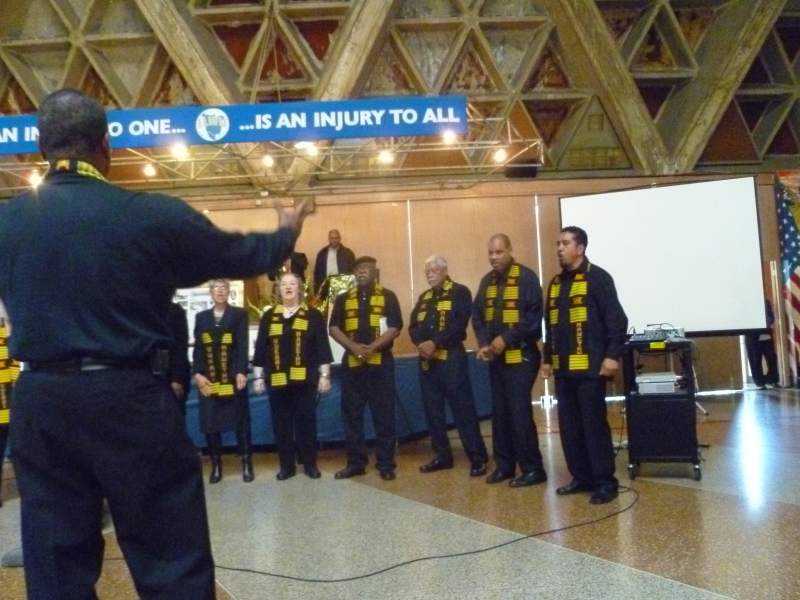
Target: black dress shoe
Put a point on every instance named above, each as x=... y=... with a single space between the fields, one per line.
x=285 y=474
x=604 y=495
x=388 y=475
x=313 y=472
x=529 y=478
x=349 y=472
x=435 y=465
x=478 y=469
x=574 y=487
x=497 y=476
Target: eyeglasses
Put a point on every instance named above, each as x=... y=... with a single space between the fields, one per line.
x=219 y=287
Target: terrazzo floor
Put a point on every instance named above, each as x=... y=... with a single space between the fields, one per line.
x=733 y=534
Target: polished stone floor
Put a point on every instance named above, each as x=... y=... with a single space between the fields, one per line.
x=733 y=534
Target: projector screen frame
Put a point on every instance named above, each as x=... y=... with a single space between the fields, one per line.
x=704 y=332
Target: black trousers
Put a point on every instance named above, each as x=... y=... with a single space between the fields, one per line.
x=514 y=434
x=756 y=350
x=447 y=382
x=585 y=433
x=118 y=435
x=294 y=423
x=373 y=386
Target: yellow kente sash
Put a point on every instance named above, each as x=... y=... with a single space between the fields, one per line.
x=9 y=371
x=293 y=370
x=377 y=310
x=508 y=308
x=217 y=364
x=578 y=360
x=443 y=306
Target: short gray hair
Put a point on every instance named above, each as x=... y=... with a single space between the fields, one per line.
x=215 y=282
x=435 y=259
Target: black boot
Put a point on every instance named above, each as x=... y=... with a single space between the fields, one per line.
x=243 y=438
x=215 y=452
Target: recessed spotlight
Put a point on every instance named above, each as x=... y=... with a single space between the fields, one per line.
x=149 y=170
x=312 y=150
x=386 y=157
x=449 y=137
x=500 y=155
x=268 y=161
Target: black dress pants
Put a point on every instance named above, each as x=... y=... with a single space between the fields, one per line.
x=585 y=433
x=447 y=382
x=373 y=386
x=294 y=423
x=118 y=435
x=756 y=350
x=514 y=434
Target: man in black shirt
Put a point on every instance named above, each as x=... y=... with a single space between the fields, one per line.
x=365 y=321
x=333 y=259
x=87 y=273
x=438 y=328
x=586 y=329
x=507 y=318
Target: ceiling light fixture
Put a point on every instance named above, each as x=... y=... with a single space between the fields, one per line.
x=180 y=151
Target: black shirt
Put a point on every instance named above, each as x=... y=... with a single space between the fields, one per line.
x=89 y=269
x=365 y=334
x=529 y=329
x=603 y=331
x=316 y=347
x=455 y=330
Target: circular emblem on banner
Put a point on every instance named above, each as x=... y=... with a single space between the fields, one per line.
x=212 y=124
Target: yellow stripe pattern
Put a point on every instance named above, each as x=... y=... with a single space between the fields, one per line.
x=553 y=316
x=578 y=288
x=510 y=316
x=275 y=329
x=511 y=293
x=440 y=354
x=3 y=352
x=556 y=361
x=222 y=389
x=578 y=362
x=206 y=338
x=577 y=314
x=513 y=357
x=227 y=338
x=444 y=305
x=555 y=290
x=300 y=324
x=351 y=324
x=4 y=416
x=297 y=373
x=351 y=304
x=278 y=379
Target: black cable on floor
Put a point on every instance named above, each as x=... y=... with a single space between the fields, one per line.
x=435 y=557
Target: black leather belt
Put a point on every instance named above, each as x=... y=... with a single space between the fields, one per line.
x=85 y=363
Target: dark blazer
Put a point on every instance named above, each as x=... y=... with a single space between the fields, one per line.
x=234 y=321
x=344 y=261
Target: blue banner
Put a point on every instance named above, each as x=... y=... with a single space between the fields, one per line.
x=277 y=122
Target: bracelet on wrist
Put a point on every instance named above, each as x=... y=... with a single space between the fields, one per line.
x=325 y=375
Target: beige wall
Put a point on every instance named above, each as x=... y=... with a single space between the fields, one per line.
x=401 y=229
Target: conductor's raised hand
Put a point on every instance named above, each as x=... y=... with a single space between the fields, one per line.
x=293 y=219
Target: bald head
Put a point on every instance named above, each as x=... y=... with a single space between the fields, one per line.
x=500 y=252
x=334 y=238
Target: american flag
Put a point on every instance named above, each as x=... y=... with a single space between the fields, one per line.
x=790 y=262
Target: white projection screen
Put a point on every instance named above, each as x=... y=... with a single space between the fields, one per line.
x=687 y=255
